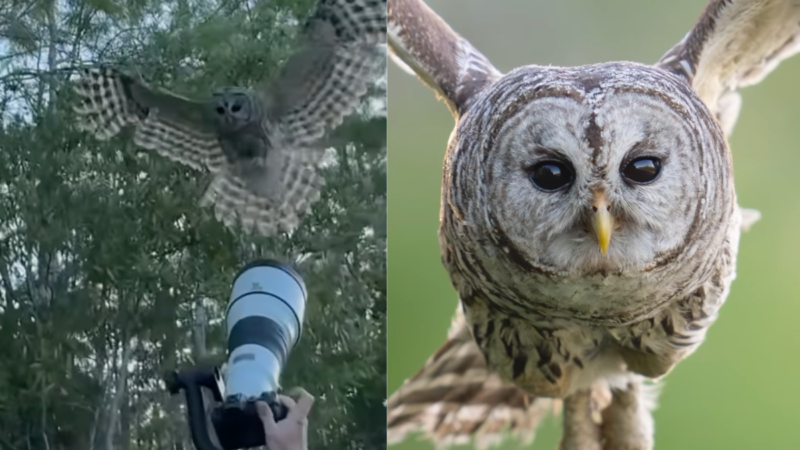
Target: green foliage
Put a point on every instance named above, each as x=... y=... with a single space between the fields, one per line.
x=107 y=263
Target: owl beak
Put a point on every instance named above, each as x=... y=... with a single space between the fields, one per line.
x=603 y=223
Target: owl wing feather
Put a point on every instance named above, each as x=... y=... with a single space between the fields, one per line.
x=424 y=44
x=173 y=126
x=454 y=399
x=352 y=21
x=734 y=44
x=323 y=82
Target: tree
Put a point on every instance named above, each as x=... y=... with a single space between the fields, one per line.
x=109 y=272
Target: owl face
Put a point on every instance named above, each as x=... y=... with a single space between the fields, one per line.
x=233 y=107
x=599 y=169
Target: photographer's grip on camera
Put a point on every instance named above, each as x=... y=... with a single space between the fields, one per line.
x=292 y=432
x=264 y=320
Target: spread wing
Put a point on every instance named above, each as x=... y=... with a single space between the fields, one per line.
x=423 y=44
x=454 y=399
x=324 y=80
x=266 y=198
x=734 y=44
x=173 y=126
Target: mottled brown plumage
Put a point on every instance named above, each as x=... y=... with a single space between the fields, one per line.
x=470 y=400
x=589 y=222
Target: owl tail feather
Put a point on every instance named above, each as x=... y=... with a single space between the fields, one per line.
x=454 y=399
x=239 y=208
x=270 y=202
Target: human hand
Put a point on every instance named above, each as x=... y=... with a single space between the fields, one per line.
x=290 y=433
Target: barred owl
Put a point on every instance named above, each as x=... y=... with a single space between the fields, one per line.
x=588 y=222
x=262 y=147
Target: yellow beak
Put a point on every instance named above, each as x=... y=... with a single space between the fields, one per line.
x=603 y=223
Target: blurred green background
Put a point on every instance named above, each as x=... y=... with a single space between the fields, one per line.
x=740 y=390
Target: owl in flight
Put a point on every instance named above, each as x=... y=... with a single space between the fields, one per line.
x=588 y=222
x=262 y=147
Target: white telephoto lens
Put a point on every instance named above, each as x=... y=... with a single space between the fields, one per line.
x=264 y=320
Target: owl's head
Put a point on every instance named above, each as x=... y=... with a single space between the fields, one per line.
x=233 y=107
x=610 y=167
x=617 y=167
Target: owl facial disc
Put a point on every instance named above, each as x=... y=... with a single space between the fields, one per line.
x=603 y=222
x=228 y=108
x=231 y=107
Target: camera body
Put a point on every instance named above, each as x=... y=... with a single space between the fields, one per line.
x=238 y=425
x=264 y=320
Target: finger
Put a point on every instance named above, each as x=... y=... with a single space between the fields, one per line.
x=295 y=392
x=303 y=407
x=265 y=413
x=287 y=401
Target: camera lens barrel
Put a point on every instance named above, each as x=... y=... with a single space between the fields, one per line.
x=264 y=321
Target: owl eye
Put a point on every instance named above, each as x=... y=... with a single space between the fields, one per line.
x=220 y=110
x=236 y=108
x=551 y=175
x=642 y=170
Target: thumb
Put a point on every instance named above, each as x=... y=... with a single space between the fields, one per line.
x=265 y=413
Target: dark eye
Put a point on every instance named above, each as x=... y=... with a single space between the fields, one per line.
x=551 y=175
x=220 y=110
x=236 y=108
x=642 y=170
